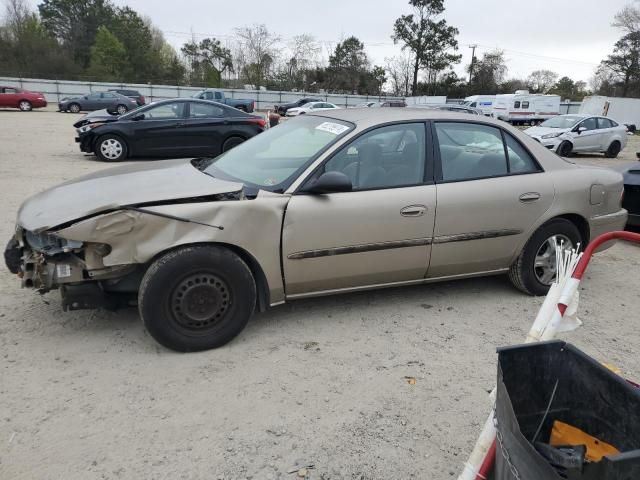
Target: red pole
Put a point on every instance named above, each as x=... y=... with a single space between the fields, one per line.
x=487 y=465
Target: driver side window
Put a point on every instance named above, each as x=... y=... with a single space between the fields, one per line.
x=589 y=124
x=386 y=157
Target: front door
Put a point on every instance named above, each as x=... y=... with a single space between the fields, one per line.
x=160 y=131
x=488 y=200
x=588 y=140
x=380 y=232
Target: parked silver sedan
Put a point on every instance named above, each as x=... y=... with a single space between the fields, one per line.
x=326 y=203
x=567 y=134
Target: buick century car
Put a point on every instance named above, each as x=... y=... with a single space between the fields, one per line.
x=326 y=203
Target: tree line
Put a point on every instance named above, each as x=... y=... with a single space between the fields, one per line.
x=97 y=40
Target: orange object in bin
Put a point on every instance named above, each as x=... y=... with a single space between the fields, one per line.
x=564 y=434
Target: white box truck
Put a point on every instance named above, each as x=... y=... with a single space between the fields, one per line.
x=481 y=102
x=622 y=110
x=523 y=107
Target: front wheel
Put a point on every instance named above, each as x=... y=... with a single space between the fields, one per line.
x=110 y=148
x=613 y=150
x=74 y=108
x=565 y=148
x=197 y=298
x=122 y=109
x=25 y=106
x=535 y=269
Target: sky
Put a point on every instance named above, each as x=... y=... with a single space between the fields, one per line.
x=569 y=37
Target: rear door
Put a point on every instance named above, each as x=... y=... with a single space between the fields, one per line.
x=379 y=233
x=607 y=131
x=160 y=132
x=205 y=129
x=490 y=193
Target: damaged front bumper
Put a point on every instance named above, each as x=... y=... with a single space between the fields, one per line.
x=45 y=262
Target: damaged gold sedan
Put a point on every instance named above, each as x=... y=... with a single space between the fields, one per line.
x=325 y=203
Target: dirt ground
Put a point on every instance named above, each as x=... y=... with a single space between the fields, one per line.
x=89 y=395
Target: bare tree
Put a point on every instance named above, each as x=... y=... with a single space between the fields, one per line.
x=400 y=72
x=628 y=19
x=541 y=81
x=258 y=52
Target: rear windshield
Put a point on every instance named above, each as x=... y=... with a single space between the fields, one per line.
x=273 y=159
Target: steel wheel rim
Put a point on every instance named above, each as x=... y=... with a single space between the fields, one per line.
x=200 y=301
x=111 y=148
x=24 y=105
x=544 y=265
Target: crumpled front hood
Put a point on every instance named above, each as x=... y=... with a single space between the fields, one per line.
x=96 y=116
x=540 y=131
x=112 y=188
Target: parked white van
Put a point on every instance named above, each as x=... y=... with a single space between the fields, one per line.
x=482 y=102
x=523 y=107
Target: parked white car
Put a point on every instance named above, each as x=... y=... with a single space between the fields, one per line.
x=565 y=134
x=310 y=107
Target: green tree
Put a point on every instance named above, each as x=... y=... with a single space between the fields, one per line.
x=108 y=56
x=541 y=81
x=624 y=63
x=489 y=72
x=347 y=65
x=207 y=60
x=428 y=36
x=75 y=23
x=569 y=90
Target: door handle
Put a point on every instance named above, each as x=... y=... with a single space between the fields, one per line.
x=530 y=197
x=413 y=211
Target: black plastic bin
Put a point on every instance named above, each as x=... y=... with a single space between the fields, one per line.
x=587 y=396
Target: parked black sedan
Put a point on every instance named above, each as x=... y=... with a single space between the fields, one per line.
x=168 y=129
x=631 y=201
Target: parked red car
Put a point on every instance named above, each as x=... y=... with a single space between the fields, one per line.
x=12 y=97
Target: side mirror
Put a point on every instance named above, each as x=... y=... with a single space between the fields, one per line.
x=330 y=182
x=85 y=98
x=138 y=117
x=579 y=130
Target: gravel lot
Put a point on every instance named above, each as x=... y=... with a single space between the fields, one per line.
x=89 y=395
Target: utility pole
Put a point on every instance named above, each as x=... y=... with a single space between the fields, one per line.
x=473 y=60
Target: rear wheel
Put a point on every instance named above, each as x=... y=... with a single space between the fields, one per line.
x=25 y=105
x=74 y=108
x=122 y=109
x=232 y=142
x=197 y=298
x=535 y=269
x=110 y=148
x=565 y=148
x=613 y=150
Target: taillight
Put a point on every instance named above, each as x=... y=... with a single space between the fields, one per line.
x=142 y=99
x=261 y=122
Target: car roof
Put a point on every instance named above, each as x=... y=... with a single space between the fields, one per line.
x=365 y=117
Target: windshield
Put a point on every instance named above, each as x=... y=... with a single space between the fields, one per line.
x=271 y=159
x=563 y=121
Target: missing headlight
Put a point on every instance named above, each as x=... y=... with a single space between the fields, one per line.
x=50 y=244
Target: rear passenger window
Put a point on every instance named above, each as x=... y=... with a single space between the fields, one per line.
x=604 y=123
x=516 y=105
x=525 y=104
x=203 y=110
x=519 y=160
x=469 y=151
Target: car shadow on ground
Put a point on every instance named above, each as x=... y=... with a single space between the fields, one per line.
x=381 y=304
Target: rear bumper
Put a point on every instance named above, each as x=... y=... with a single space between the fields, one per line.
x=607 y=223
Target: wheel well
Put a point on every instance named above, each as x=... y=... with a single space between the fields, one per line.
x=581 y=224
x=262 y=287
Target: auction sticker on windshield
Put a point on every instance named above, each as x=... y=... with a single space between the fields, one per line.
x=331 y=127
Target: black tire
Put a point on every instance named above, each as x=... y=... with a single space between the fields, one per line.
x=232 y=142
x=25 y=106
x=565 y=148
x=122 y=109
x=74 y=108
x=613 y=150
x=197 y=298
x=523 y=271
x=114 y=154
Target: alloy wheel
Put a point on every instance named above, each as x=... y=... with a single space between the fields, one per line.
x=121 y=109
x=25 y=106
x=545 y=265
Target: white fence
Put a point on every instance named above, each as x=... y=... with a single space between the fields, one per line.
x=54 y=90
